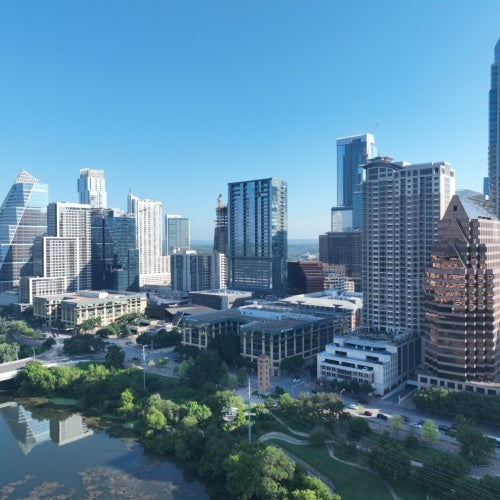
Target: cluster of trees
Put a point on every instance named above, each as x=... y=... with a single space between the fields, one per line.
x=352 y=385
x=161 y=339
x=471 y=405
x=193 y=433
x=83 y=344
x=321 y=409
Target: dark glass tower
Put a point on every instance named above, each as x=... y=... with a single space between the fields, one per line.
x=494 y=134
x=258 y=246
x=23 y=217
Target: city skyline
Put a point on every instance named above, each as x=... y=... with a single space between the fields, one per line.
x=175 y=100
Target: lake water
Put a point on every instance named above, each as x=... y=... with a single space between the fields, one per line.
x=52 y=454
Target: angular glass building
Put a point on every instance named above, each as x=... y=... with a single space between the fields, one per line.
x=23 y=217
x=258 y=245
x=177 y=233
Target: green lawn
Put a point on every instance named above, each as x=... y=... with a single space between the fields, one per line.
x=351 y=483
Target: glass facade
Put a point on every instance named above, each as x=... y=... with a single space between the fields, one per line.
x=494 y=133
x=352 y=153
x=23 y=217
x=177 y=233
x=257 y=221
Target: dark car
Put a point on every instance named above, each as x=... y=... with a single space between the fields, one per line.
x=406 y=419
x=444 y=428
x=382 y=416
x=368 y=413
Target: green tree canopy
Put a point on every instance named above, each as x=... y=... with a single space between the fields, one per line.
x=115 y=356
x=440 y=473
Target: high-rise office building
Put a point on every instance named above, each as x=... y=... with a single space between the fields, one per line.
x=494 y=134
x=352 y=153
x=23 y=217
x=153 y=266
x=341 y=250
x=257 y=243
x=67 y=246
x=402 y=207
x=92 y=188
x=115 y=258
x=462 y=295
x=177 y=233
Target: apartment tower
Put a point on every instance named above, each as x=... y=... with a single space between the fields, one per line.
x=177 y=233
x=402 y=207
x=257 y=243
x=153 y=266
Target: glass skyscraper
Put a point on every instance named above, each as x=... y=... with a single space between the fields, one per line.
x=352 y=153
x=92 y=188
x=177 y=233
x=23 y=217
x=258 y=247
x=494 y=134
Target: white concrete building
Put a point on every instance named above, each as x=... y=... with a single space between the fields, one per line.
x=153 y=265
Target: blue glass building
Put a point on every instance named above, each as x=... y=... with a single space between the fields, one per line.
x=258 y=245
x=23 y=217
x=494 y=134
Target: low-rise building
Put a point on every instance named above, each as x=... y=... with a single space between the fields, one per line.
x=74 y=308
x=277 y=331
x=382 y=362
x=220 y=299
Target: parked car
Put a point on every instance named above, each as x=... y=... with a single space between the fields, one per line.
x=406 y=419
x=352 y=406
x=444 y=428
x=368 y=413
x=382 y=416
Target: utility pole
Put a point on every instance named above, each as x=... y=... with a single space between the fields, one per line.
x=249 y=414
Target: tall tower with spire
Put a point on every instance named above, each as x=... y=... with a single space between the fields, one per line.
x=23 y=217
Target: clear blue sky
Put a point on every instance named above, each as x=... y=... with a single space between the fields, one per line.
x=177 y=98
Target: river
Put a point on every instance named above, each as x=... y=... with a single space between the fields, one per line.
x=56 y=454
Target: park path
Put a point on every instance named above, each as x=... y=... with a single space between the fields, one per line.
x=314 y=472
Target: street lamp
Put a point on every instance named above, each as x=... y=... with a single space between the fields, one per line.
x=340 y=393
x=34 y=355
x=143 y=366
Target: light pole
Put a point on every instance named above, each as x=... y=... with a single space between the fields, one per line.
x=34 y=354
x=143 y=367
x=340 y=393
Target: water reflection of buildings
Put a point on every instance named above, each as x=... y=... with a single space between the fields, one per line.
x=30 y=431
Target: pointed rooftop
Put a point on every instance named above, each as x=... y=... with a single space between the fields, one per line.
x=25 y=177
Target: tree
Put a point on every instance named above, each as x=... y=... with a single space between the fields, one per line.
x=258 y=472
x=115 y=356
x=474 y=445
x=90 y=324
x=429 y=432
x=358 y=427
x=83 y=344
x=127 y=406
x=390 y=461
x=242 y=377
x=486 y=488
x=48 y=343
x=292 y=365
x=206 y=367
x=396 y=425
x=9 y=352
x=439 y=473
x=37 y=380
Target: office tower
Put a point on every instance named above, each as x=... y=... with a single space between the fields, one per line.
x=305 y=276
x=115 y=258
x=402 y=207
x=494 y=134
x=257 y=243
x=23 y=217
x=153 y=266
x=191 y=271
x=352 y=153
x=92 y=188
x=220 y=232
x=177 y=233
x=67 y=247
x=462 y=294
x=342 y=252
